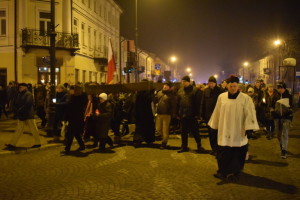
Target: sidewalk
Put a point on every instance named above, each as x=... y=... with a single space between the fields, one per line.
x=7 y=129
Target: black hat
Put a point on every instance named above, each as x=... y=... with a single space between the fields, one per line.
x=233 y=79
x=22 y=84
x=169 y=83
x=186 y=78
x=212 y=79
x=281 y=85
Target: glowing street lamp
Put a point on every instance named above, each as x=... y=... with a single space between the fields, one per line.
x=190 y=74
x=277 y=42
x=173 y=59
x=246 y=64
x=188 y=69
x=216 y=76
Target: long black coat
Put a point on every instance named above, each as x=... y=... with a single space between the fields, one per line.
x=144 y=119
x=209 y=101
x=24 y=105
x=104 y=118
x=75 y=108
x=188 y=102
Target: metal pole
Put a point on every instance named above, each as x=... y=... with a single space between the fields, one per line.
x=52 y=47
x=15 y=42
x=136 y=42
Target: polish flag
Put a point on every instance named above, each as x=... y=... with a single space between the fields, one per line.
x=111 y=67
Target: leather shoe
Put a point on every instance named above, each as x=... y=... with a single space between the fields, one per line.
x=36 y=146
x=183 y=150
x=10 y=147
x=81 y=148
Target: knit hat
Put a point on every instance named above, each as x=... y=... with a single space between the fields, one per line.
x=169 y=83
x=281 y=85
x=250 y=90
x=186 y=78
x=212 y=79
x=22 y=84
x=103 y=96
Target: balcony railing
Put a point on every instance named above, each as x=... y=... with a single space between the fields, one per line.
x=32 y=38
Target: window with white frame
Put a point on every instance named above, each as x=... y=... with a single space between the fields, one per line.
x=45 y=22
x=75 y=25
x=89 y=37
x=3 y=22
x=82 y=34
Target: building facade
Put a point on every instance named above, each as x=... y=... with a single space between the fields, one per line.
x=83 y=30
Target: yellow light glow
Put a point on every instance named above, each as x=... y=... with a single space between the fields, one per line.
x=216 y=76
x=277 y=42
x=188 y=69
x=246 y=64
x=173 y=59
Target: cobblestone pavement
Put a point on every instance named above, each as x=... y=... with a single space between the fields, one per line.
x=150 y=173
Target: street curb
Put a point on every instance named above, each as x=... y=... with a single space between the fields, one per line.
x=47 y=146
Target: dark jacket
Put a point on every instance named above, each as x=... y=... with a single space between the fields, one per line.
x=24 y=105
x=104 y=118
x=209 y=101
x=61 y=104
x=166 y=103
x=40 y=96
x=288 y=115
x=269 y=105
x=188 y=102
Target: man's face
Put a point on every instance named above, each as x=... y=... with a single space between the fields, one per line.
x=59 y=89
x=270 y=89
x=22 y=88
x=257 y=84
x=233 y=88
x=166 y=87
x=281 y=90
x=185 y=83
x=211 y=85
x=224 y=84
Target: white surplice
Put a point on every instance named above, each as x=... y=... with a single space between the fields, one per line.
x=232 y=117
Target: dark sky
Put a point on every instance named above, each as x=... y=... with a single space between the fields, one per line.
x=209 y=35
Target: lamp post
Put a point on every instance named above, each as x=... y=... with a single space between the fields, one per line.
x=136 y=42
x=245 y=64
x=173 y=59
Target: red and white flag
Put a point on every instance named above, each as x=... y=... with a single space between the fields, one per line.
x=111 y=67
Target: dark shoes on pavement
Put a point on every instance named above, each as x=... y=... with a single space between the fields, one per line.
x=283 y=154
x=36 y=146
x=10 y=147
x=81 y=148
x=183 y=149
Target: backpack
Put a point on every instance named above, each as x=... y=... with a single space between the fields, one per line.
x=282 y=109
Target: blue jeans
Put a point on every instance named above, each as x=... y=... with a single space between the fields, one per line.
x=283 y=127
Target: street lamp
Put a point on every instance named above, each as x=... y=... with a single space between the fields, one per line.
x=245 y=65
x=277 y=42
x=188 y=69
x=173 y=59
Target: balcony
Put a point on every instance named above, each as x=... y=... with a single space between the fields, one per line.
x=32 y=38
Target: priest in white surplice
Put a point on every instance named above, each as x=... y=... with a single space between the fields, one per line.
x=234 y=116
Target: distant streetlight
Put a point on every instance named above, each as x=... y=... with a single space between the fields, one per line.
x=245 y=65
x=173 y=59
x=188 y=69
x=216 y=76
x=277 y=42
x=190 y=74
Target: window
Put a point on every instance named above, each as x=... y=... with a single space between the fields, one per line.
x=90 y=76
x=75 y=25
x=89 y=37
x=76 y=76
x=95 y=38
x=95 y=6
x=83 y=76
x=2 y=23
x=45 y=22
x=82 y=34
x=89 y=3
x=96 y=77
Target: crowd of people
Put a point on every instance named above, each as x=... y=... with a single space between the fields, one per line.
x=233 y=112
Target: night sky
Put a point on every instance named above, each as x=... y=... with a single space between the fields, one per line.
x=210 y=35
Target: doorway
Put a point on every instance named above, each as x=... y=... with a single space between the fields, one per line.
x=44 y=75
x=3 y=76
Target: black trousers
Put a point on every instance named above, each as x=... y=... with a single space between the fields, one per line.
x=73 y=130
x=40 y=112
x=231 y=160
x=189 y=125
x=213 y=138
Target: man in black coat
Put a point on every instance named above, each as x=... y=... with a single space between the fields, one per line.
x=209 y=100
x=188 y=111
x=25 y=114
x=75 y=108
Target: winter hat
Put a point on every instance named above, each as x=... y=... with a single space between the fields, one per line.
x=22 y=84
x=186 y=78
x=233 y=79
x=281 y=85
x=103 y=96
x=169 y=83
x=212 y=79
x=250 y=90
